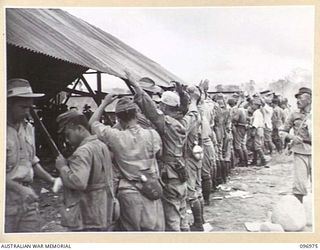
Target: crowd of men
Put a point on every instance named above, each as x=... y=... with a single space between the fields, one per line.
x=160 y=157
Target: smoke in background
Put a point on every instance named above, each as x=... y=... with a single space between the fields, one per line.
x=287 y=87
x=290 y=85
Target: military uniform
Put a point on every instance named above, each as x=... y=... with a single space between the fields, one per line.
x=20 y=215
x=258 y=123
x=278 y=119
x=222 y=124
x=267 y=114
x=88 y=182
x=209 y=169
x=239 y=129
x=173 y=133
x=134 y=151
x=301 y=124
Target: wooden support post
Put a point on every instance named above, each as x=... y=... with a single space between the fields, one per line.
x=96 y=97
x=69 y=94
x=99 y=87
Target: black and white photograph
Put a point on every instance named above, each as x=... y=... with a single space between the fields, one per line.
x=159 y=119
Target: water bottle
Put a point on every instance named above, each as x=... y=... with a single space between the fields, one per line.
x=143 y=178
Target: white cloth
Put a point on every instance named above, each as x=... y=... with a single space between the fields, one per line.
x=267 y=116
x=258 y=119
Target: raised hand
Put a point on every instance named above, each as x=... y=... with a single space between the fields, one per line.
x=131 y=80
x=109 y=99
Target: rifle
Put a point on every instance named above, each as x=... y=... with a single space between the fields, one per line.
x=46 y=134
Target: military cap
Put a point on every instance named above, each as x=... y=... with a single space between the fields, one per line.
x=219 y=96
x=148 y=84
x=257 y=101
x=232 y=102
x=170 y=98
x=20 y=88
x=303 y=90
x=67 y=118
x=124 y=104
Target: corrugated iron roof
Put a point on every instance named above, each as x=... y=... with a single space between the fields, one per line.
x=58 y=34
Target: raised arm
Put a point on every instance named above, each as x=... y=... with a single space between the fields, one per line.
x=146 y=104
x=99 y=111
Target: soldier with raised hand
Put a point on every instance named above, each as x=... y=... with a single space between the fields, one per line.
x=173 y=130
x=21 y=208
x=301 y=122
x=208 y=170
x=135 y=150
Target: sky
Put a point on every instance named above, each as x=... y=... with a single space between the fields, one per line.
x=227 y=45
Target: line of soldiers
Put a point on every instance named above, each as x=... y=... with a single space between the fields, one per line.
x=158 y=159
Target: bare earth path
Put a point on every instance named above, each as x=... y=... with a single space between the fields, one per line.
x=263 y=187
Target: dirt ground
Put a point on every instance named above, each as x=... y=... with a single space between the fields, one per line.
x=261 y=188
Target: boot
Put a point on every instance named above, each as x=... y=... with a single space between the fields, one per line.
x=241 y=157
x=228 y=165
x=261 y=156
x=214 y=183
x=206 y=189
x=270 y=146
x=197 y=216
x=219 y=170
x=202 y=203
x=279 y=146
x=233 y=160
x=224 y=171
x=245 y=158
x=255 y=158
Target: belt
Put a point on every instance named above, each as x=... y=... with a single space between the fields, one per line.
x=97 y=186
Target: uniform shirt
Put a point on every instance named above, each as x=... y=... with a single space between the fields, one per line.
x=222 y=121
x=134 y=148
x=239 y=116
x=278 y=117
x=173 y=132
x=206 y=112
x=89 y=165
x=301 y=123
x=287 y=112
x=258 y=119
x=192 y=139
x=90 y=170
x=267 y=112
x=21 y=153
x=209 y=109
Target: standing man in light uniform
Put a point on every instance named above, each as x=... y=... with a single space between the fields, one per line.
x=21 y=210
x=267 y=111
x=301 y=122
